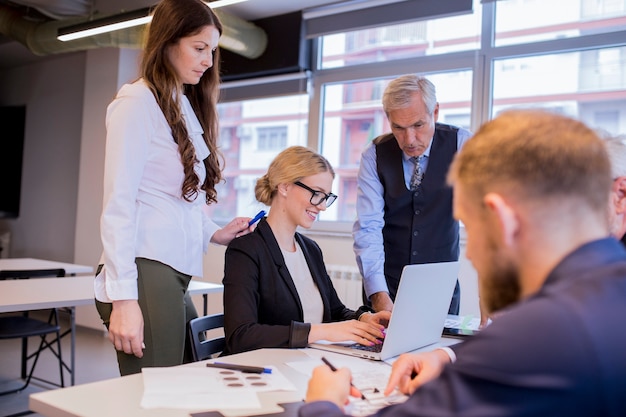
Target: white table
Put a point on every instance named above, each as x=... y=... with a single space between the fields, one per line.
x=13 y=264
x=122 y=396
x=204 y=288
x=76 y=296
x=44 y=293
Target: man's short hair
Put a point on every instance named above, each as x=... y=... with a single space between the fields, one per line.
x=400 y=91
x=535 y=155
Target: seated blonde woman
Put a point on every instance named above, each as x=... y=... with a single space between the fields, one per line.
x=277 y=293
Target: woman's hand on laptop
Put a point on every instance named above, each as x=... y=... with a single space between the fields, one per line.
x=411 y=371
x=362 y=332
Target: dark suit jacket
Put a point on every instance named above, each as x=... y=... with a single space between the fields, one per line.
x=559 y=352
x=261 y=305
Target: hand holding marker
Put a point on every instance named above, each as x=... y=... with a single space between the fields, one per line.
x=256 y=218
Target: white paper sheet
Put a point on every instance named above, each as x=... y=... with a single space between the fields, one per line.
x=369 y=377
x=462 y=322
x=202 y=388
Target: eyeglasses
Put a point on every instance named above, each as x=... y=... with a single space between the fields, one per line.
x=318 y=197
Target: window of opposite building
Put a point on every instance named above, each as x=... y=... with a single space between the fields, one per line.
x=564 y=55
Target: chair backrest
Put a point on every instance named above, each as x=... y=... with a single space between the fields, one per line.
x=202 y=347
x=32 y=273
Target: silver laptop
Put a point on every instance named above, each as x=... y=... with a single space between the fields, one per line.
x=419 y=312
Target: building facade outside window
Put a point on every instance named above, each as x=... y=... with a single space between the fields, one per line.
x=564 y=55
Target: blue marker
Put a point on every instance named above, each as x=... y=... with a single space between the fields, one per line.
x=256 y=218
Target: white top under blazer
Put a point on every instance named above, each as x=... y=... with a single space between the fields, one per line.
x=144 y=214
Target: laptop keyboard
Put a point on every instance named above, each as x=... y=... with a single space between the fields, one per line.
x=374 y=348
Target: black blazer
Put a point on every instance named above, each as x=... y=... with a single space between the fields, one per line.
x=262 y=308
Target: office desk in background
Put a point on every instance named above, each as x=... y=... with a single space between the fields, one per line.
x=67 y=292
x=43 y=293
x=21 y=264
x=197 y=287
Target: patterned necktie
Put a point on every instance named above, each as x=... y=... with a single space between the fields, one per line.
x=418 y=173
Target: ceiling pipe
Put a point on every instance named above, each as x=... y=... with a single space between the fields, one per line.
x=239 y=36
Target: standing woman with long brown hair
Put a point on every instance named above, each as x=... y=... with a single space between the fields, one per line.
x=162 y=164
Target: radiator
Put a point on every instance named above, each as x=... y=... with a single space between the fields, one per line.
x=348 y=284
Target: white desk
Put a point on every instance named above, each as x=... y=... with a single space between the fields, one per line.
x=204 y=288
x=43 y=293
x=122 y=396
x=13 y=264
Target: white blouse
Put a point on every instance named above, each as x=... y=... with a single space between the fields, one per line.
x=144 y=214
x=310 y=297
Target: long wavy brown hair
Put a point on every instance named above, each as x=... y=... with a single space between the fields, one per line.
x=173 y=20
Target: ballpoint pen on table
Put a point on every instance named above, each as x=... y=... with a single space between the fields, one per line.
x=242 y=368
x=332 y=368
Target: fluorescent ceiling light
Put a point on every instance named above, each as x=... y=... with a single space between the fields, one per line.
x=221 y=3
x=106 y=24
x=119 y=21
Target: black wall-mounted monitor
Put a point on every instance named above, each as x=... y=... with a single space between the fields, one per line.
x=12 y=125
x=287 y=51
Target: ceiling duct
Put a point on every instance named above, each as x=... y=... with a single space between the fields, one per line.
x=239 y=36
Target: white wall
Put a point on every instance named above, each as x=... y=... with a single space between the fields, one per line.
x=53 y=94
x=106 y=70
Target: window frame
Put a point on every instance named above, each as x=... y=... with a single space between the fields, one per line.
x=480 y=62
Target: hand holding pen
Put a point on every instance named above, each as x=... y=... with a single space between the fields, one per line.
x=237 y=227
x=256 y=218
x=355 y=391
x=328 y=385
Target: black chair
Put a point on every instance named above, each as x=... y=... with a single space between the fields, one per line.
x=22 y=326
x=203 y=347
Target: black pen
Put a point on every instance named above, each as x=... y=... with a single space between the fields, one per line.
x=242 y=368
x=332 y=368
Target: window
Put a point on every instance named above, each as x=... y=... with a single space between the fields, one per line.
x=352 y=117
x=572 y=61
x=527 y=21
x=607 y=120
x=591 y=86
x=405 y=40
x=254 y=139
x=271 y=138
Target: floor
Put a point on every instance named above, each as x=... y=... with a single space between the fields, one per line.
x=95 y=361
